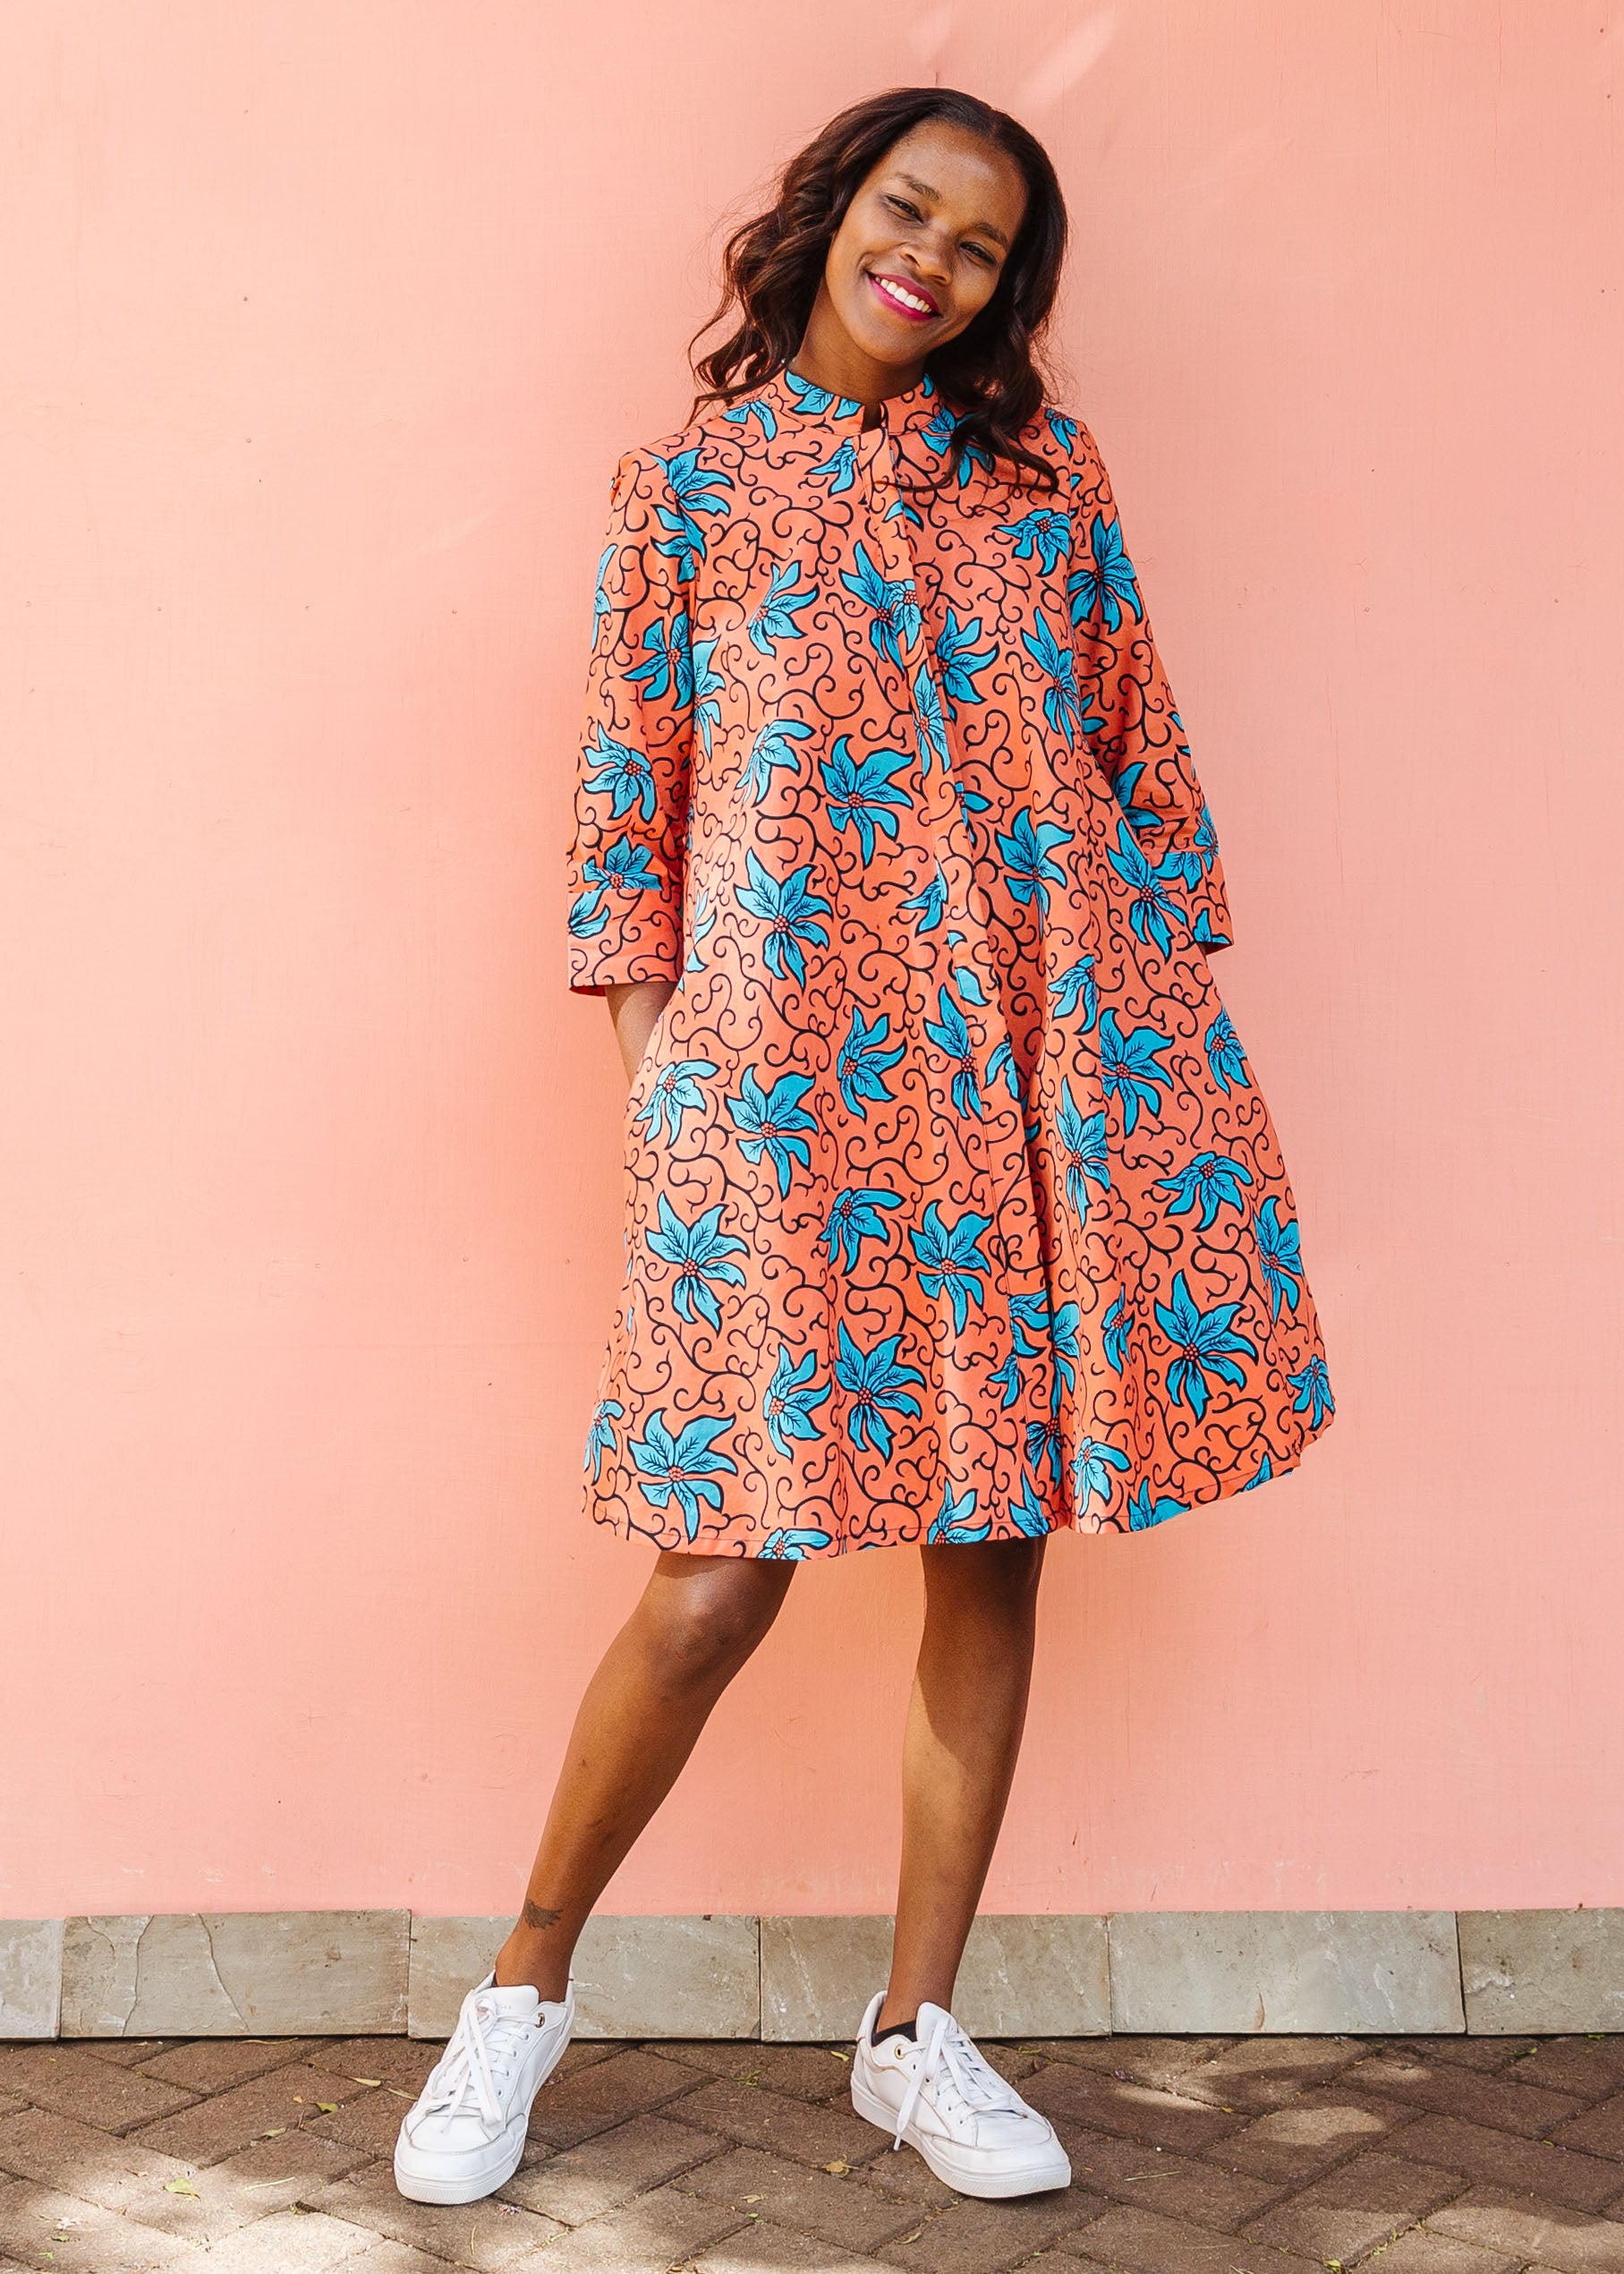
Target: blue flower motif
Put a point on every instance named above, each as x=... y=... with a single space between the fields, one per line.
x=1126 y=786
x=588 y=915
x=602 y=605
x=1131 y=1068
x=1280 y=1251
x=1212 y=1179
x=707 y=686
x=895 y=624
x=952 y=1038
x=1116 y=1330
x=1264 y=1472
x=771 y=1122
x=840 y=468
x=1083 y=1143
x=1028 y=1315
x=1044 y=1448
x=676 y=1091
x=695 y=489
x=1029 y=1517
x=959 y=659
x=773 y=746
x=1092 y=1473
x=791 y=1546
x=774 y=617
x=1046 y=532
x=855 y=1217
x=700 y=1251
x=1143 y=1510
x=1312 y=1387
x=793 y=1397
x=669 y=667
x=623 y=867
x=1028 y=870
x=815 y=400
x=1100 y=590
x=949 y=1260
x=1063 y=700
x=1224 y=1055
x=701 y=926
x=930 y=902
x=874 y=1382
x=861 y=791
x=1063 y=1341
x=601 y=1437
x=1074 y=986
x=1206 y=1344
x=861 y=1065
x=927 y=720
x=789 y=908
x=1150 y=907
x=952 y=1526
x=1063 y=429
x=626 y=774
x=681 y=1466
x=1190 y=860
x=1001 y=1066
x=754 y=406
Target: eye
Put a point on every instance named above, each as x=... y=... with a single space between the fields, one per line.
x=903 y=205
x=982 y=254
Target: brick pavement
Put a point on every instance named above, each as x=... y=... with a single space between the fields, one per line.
x=1257 y=2155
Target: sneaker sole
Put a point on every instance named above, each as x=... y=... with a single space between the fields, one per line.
x=993 y=2185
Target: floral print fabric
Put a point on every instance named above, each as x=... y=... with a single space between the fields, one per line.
x=954 y=1212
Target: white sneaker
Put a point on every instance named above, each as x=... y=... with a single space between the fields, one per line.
x=465 y=2133
x=974 y=2131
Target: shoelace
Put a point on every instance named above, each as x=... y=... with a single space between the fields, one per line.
x=950 y=2052
x=469 y=2069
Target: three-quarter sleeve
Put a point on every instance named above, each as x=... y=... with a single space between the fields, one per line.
x=1140 y=741
x=628 y=854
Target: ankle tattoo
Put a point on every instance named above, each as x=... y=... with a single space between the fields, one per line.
x=538 y=1918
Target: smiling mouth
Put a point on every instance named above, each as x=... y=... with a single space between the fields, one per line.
x=904 y=300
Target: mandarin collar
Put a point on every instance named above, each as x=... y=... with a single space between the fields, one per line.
x=799 y=399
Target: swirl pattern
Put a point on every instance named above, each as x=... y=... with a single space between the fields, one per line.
x=953 y=1210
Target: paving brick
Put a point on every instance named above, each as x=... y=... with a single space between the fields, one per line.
x=394 y=2258
x=99 y=2167
x=1591 y=2066
x=42 y=2226
x=1503 y=2104
x=271 y=2177
x=1179 y=2186
x=490 y=2235
x=215 y=2064
x=369 y=2123
x=660 y=2230
x=834 y=2210
x=1356 y=2206
x=579 y=2184
x=571 y=2109
x=1107 y=2103
x=763 y=2249
x=987 y=2237
x=805 y=2071
x=1487 y=2053
x=1320 y=2128
x=1148 y=2060
x=403 y=2062
x=807 y=2131
x=1600 y=2132
x=289 y=2242
x=1502 y=2160
x=76 y=2084
x=1421 y=2252
x=1572 y=2242
x=126 y=2052
x=216 y=2128
x=1258 y=2073
x=1142 y=2242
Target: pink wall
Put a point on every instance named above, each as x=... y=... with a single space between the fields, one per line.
x=324 y=327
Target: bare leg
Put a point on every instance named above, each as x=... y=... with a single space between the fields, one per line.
x=699 y=1619
x=964 y=1735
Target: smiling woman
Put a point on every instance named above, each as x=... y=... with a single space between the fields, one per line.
x=953 y=1214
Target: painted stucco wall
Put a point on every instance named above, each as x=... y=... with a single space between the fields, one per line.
x=323 y=328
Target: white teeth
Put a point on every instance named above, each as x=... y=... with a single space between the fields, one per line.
x=908 y=299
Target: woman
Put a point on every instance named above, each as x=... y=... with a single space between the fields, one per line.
x=955 y=1216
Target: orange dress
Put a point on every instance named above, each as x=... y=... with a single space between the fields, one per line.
x=953 y=1210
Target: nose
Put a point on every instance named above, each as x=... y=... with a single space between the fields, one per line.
x=931 y=256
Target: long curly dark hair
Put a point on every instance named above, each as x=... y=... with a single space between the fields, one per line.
x=989 y=377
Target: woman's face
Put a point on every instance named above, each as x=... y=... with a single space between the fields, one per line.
x=923 y=242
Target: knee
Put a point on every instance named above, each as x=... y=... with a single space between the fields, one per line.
x=994 y=1585
x=705 y=1626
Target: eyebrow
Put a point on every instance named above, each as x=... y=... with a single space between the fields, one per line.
x=981 y=228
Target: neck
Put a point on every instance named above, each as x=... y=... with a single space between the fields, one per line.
x=829 y=357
